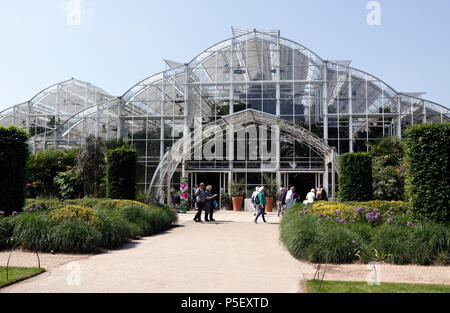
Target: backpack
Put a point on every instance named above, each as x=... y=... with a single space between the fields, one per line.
x=257 y=199
x=319 y=194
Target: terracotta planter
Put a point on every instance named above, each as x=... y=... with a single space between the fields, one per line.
x=269 y=205
x=237 y=203
x=228 y=207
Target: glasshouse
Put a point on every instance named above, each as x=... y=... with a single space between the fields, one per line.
x=250 y=110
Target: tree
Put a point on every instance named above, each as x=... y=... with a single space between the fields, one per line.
x=387 y=169
x=91 y=166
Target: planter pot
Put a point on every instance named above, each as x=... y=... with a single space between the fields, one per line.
x=237 y=203
x=228 y=207
x=269 y=205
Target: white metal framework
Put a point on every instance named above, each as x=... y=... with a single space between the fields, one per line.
x=253 y=71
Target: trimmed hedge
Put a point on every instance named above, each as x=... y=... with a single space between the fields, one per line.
x=428 y=182
x=355 y=177
x=14 y=153
x=121 y=173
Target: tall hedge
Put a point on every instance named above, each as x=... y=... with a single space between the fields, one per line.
x=355 y=177
x=428 y=181
x=121 y=173
x=14 y=153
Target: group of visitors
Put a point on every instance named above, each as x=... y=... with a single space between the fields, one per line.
x=205 y=201
x=285 y=199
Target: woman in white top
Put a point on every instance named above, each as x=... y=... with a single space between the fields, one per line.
x=310 y=197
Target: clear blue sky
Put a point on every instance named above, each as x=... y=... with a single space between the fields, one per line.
x=118 y=42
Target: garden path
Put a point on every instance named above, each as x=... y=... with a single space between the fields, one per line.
x=231 y=255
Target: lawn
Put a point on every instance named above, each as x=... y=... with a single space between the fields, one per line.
x=17 y=274
x=362 y=287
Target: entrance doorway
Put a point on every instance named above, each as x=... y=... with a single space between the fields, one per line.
x=303 y=182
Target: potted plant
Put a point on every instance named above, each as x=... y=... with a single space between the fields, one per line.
x=270 y=191
x=237 y=194
x=226 y=201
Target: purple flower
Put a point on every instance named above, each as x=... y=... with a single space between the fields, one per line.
x=339 y=211
x=322 y=215
x=409 y=224
x=390 y=221
x=31 y=209
x=319 y=220
x=337 y=219
x=300 y=213
x=375 y=210
x=358 y=210
x=342 y=221
x=2 y=212
x=354 y=241
x=306 y=212
x=14 y=213
x=408 y=212
x=378 y=216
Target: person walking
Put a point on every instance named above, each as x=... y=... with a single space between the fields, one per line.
x=261 y=206
x=254 y=195
x=281 y=201
x=290 y=197
x=209 y=206
x=200 y=200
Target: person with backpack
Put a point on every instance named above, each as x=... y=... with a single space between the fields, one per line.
x=281 y=201
x=254 y=195
x=261 y=201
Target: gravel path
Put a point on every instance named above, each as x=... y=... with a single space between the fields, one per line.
x=231 y=255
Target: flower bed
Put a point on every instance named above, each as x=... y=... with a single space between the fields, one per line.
x=84 y=225
x=364 y=232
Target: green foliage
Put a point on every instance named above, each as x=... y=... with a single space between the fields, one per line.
x=91 y=165
x=116 y=143
x=140 y=216
x=6 y=231
x=69 y=185
x=388 y=181
x=14 y=152
x=428 y=182
x=84 y=225
x=43 y=167
x=34 y=231
x=121 y=173
x=348 y=209
x=312 y=238
x=75 y=212
x=225 y=199
x=75 y=236
x=355 y=177
x=115 y=229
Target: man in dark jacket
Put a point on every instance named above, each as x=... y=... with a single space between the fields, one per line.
x=281 y=201
x=200 y=199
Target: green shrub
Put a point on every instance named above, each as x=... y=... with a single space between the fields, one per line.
x=428 y=182
x=75 y=236
x=140 y=216
x=115 y=229
x=355 y=177
x=121 y=173
x=75 y=212
x=312 y=238
x=33 y=230
x=68 y=185
x=14 y=152
x=43 y=167
x=6 y=231
x=40 y=204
